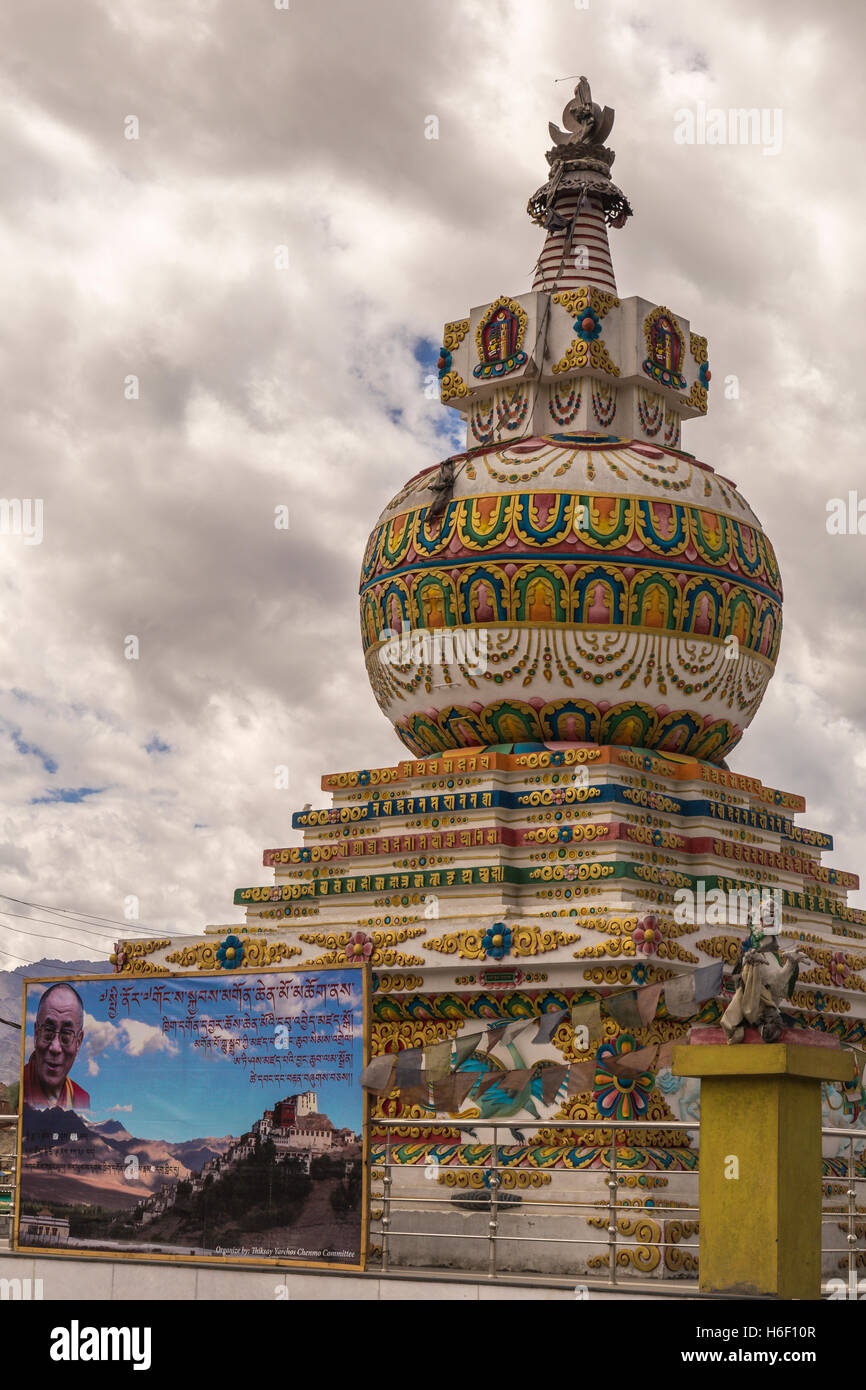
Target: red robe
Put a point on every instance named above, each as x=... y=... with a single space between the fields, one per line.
x=72 y=1097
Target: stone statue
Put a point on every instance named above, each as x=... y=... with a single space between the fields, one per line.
x=767 y=976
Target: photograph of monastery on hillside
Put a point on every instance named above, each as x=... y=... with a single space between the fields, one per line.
x=267 y=1063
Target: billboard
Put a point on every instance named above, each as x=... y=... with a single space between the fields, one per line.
x=196 y=1116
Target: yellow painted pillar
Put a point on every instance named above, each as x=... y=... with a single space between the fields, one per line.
x=760 y=1163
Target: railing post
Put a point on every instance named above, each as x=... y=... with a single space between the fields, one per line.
x=386 y=1199
x=611 y=1207
x=493 y=1223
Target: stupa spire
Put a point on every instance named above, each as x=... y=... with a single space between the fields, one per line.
x=579 y=200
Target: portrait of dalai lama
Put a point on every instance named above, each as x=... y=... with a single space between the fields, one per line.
x=57 y=1037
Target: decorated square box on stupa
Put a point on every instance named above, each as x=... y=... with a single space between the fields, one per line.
x=570 y=625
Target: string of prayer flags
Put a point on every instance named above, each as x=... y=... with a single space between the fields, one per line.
x=581 y=1076
x=588 y=1016
x=647 y=1002
x=632 y=1063
x=623 y=1007
x=464 y=1047
x=437 y=1061
x=450 y=1093
x=408 y=1068
x=378 y=1075
x=548 y=1024
x=551 y=1082
x=414 y=1070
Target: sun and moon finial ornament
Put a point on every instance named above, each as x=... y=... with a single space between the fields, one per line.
x=586 y=123
x=580 y=159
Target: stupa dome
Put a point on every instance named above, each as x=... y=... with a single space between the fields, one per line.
x=559 y=582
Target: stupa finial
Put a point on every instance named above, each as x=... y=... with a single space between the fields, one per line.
x=580 y=162
x=586 y=124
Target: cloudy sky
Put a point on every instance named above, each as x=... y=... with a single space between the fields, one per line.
x=273 y=258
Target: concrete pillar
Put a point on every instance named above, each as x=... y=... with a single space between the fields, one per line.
x=760 y=1163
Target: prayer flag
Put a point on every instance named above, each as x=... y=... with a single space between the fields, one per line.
x=437 y=1060
x=632 y=1063
x=513 y=1082
x=588 y=1016
x=624 y=1009
x=551 y=1082
x=450 y=1093
x=581 y=1076
x=378 y=1074
x=408 y=1068
x=708 y=982
x=464 y=1047
x=680 y=996
x=647 y=1002
x=548 y=1024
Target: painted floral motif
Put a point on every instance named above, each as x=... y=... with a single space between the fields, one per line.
x=231 y=952
x=496 y=941
x=839 y=969
x=647 y=937
x=620 y=1097
x=359 y=947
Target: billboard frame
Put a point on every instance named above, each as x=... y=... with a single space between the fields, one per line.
x=257 y=1262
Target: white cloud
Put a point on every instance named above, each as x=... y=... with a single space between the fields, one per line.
x=130 y=1036
x=141 y=1038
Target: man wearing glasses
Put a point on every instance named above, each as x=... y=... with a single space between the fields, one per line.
x=58 y=1035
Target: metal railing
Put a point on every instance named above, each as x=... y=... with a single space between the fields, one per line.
x=850 y=1183
x=621 y=1135
x=613 y=1171
x=488 y=1197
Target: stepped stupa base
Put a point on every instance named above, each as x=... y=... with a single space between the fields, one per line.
x=488 y=886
